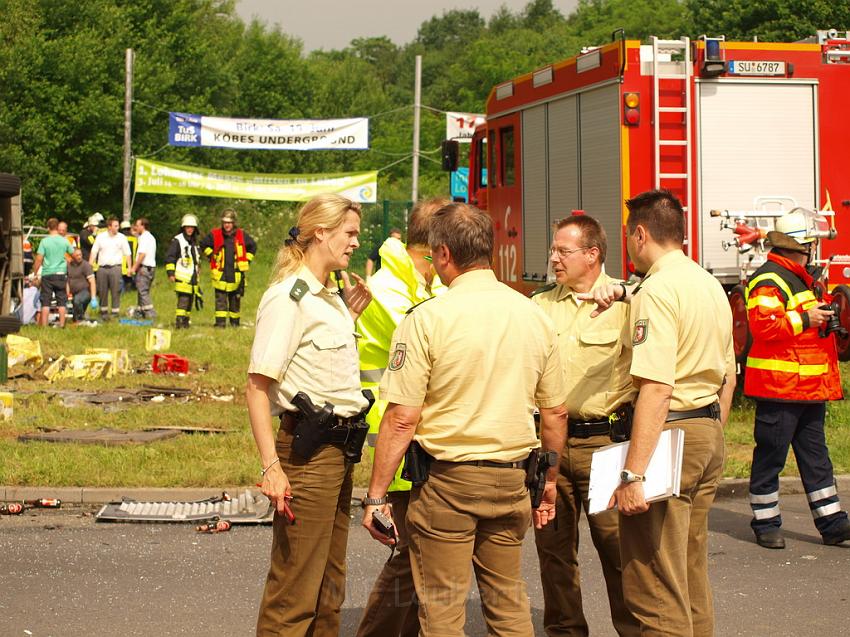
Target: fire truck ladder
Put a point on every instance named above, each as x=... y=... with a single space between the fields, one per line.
x=665 y=68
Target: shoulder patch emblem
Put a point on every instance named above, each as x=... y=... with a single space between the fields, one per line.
x=398 y=357
x=641 y=331
x=299 y=289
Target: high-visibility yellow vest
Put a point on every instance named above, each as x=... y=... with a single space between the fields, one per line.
x=396 y=287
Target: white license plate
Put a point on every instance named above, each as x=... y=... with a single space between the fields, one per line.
x=756 y=67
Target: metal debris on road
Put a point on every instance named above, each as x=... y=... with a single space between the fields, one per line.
x=248 y=508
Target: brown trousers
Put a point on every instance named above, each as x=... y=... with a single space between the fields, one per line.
x=392 y=609
x=305 y=587
x=557 y=549
x=665 y=550
x=466 y=514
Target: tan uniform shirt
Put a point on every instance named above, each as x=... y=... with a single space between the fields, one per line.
x=476 y=359
x=595 y=352
x=307 y=345
x=682 y=331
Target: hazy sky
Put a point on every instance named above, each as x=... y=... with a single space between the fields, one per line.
x=332 y=24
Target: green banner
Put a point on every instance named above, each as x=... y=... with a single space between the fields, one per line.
x=176 y=179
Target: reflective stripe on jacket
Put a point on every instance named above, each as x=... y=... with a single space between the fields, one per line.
x=217 y=253
x=396 y=288
x=183 y=261
x=788 y=360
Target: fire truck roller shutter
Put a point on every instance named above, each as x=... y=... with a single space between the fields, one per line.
x=601 y=182
x=535 y=209
x=756 y=139
x=564 y=174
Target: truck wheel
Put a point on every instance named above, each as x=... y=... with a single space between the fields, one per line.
x=841 y=296
x=10 y=185
x=741 y=337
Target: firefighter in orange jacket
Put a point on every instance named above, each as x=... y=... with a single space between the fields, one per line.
x=791 y=371
x=230 y=251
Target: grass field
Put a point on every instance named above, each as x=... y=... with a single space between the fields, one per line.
x=219 y=359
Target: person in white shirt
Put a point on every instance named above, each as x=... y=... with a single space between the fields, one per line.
x=108 y=253
x=144 y=267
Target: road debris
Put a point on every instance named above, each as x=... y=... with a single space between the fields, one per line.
x=102 y=436
x=215 y=525
x=249 y=508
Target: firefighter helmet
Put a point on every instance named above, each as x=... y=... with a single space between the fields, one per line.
x=792 y=231
x=125 y=225
x=189 y=221
x=95 y=220
x=228 y=215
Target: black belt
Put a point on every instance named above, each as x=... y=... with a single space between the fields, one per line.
x=709 y=411
x=338 y=434
x=518 y=464
x=588 y=428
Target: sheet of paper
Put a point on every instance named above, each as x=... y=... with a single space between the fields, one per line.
x=663 y=474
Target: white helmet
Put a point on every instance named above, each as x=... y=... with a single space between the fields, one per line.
x=795 y=225
x=189 y=220
x=125 y=224
x=95 y=220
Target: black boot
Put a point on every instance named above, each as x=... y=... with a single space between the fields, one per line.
x=220 y=322
x=771 y=539
x=234 y=322
x=838 y=535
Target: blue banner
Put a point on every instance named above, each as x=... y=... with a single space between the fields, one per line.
x=184 y=129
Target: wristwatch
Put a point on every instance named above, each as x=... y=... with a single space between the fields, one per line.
x=628 y=476
x=367 y=501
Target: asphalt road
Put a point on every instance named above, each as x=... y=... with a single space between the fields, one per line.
x=64 y=575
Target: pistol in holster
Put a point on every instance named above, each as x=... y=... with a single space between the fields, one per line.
x=417 y=464
x=539 y=462
x=621 y=423
x=313 y=426
x=316 y=427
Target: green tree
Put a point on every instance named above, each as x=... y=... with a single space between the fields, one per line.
x=769 y=20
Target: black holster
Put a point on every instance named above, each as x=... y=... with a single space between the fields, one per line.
x=621 y=423
x=539 y=462
x=417 y=464
x=313 y=428
x=352 y=449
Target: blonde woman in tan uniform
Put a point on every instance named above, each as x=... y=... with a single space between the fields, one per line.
x=305 y=342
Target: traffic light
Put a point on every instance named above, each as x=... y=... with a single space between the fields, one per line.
x=631 y=109
x=449 y=151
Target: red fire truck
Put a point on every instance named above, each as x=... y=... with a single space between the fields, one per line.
x=745 y=129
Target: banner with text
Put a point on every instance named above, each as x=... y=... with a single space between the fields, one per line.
x=185 y=129
x=460 y=126
x=176 y=179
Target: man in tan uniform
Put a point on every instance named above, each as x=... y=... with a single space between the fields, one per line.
x=596 y=358
x=684 y=367
x=466 y=370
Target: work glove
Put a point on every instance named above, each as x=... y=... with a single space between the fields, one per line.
x=94 y=304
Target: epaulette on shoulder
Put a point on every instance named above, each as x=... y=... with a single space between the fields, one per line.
x=418 y=304
x=542 y=288
x=299 y=289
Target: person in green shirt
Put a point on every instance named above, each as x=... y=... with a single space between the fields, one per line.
x=52 y=267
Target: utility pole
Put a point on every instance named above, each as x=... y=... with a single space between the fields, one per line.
x=128 y=120
x=417 y=104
